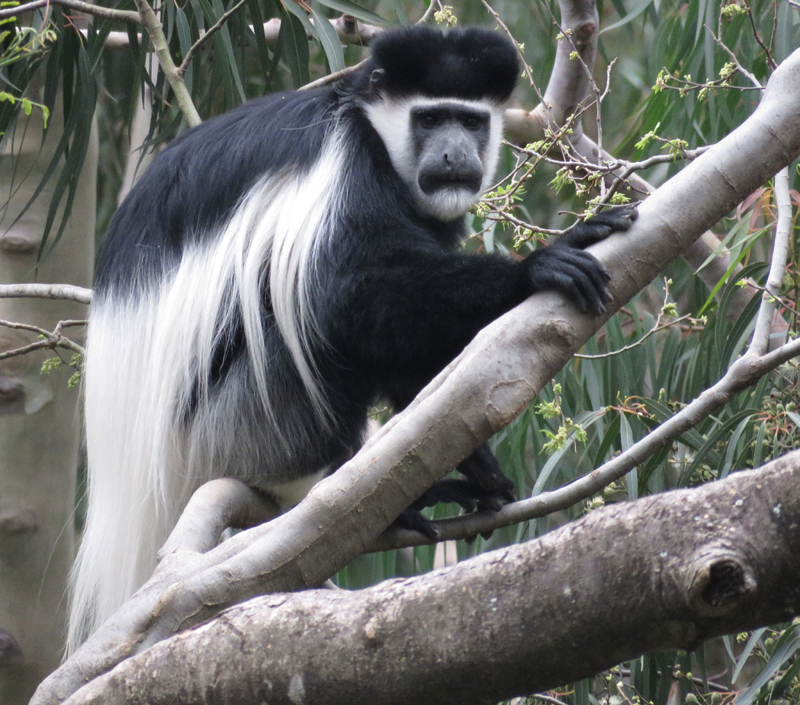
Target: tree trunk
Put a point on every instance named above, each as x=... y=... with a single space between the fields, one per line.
x=40 y=425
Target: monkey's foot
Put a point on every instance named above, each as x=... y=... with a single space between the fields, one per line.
x=468 y=495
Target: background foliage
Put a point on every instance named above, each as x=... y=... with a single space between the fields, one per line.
x=615 y=399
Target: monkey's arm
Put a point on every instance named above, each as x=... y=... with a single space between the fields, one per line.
x=403 y=311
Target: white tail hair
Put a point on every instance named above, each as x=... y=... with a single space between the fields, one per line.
x=149 y=360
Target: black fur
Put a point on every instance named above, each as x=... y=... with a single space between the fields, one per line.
x=472 y=63
x=396 y=300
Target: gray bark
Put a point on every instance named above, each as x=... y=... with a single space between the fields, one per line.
x=686 y=566
x=40 y=427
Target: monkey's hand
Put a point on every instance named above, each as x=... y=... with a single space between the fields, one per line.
x=565 y=267
x=599 y=227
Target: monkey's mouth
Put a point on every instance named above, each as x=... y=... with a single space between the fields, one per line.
x=432 y=182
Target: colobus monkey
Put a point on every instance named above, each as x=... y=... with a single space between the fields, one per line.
x=281 y=267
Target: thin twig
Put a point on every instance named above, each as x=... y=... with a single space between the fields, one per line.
x=525 y=67
x=333 y=77
x=46 y=291
x=429 y=12
x=780 y=253
x=658 y=327
x=745 y=372
x=89 y=9
x=741 y=69
x=598 y=102
x=631 y=167
x=547 y=699
x=181 y=70
x=52 y=339
x=758 y=39
x=156 y=33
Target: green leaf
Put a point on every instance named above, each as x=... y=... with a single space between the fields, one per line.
x=709 y=447
x=224 y=36
x=331 y=44
x=261 y=40
x=740 y=332
x=608 y=442
x=185 y=43
x=295 y=48
x=359 y=13
x=735 y=260
x=300 y=14
x=787 y=645
x=635 y=12
x=400 y=12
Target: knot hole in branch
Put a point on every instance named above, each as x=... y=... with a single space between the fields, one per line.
x=719 y=585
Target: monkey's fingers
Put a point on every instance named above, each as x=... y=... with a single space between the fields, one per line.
x=599 y=227
x=575 y=273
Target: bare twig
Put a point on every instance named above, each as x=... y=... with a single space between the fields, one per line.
x=333 y=77
x=620 y=178
x=772 y=64
x=429 y=12
x=501 y=24
x=545 y=699
x=85 y=7
x=46 y=291
x=181 y=70
x=52 y=339
x=735 y=59
x=657 y=326
x=780 y=253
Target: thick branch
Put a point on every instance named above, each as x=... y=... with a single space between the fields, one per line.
x=688 y=565
x=745 y=372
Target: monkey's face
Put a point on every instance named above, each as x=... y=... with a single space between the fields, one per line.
x=445 y=149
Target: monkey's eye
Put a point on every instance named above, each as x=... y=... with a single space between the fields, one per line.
x=472 y=123
x=429 y=120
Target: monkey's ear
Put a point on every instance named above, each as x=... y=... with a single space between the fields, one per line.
x=377 y=81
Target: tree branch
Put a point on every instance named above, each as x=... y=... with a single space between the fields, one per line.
x=689 y=565
x=780 y=254
x=156 y=33
x=85 y=7
x=181 y=70
x=46 y=291
x=52 y=339
x=565 y=95
x=745 y=372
